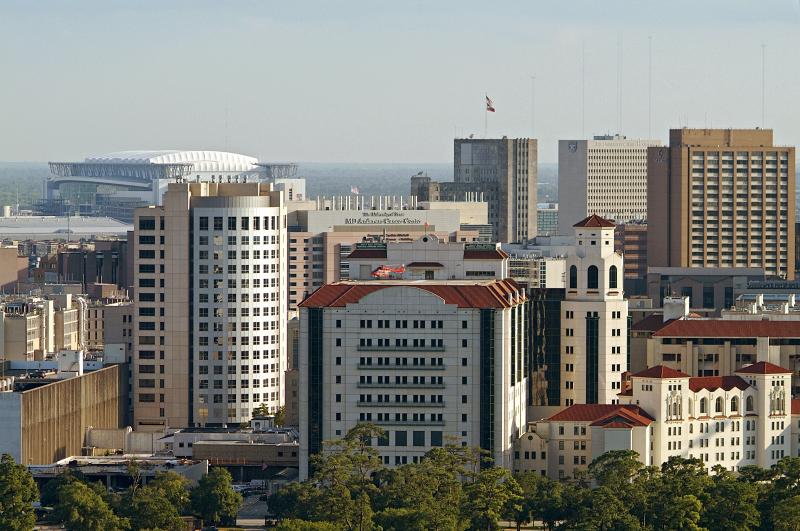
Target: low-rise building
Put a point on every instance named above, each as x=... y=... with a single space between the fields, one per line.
x=732 y=421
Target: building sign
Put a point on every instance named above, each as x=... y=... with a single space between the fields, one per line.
x=382 y=218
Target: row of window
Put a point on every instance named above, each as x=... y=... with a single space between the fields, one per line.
x=244 y=223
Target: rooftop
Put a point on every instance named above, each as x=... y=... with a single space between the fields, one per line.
x=594 y=221
x=660 y=371
x=763 y=367
x=721 y=328
x=603 y=412
x=463 y=293
x=712 y=383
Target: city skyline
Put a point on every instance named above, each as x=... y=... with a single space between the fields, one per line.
x=298 y=83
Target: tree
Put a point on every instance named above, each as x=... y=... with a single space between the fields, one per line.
x=731 y=504
x=17 y=492
x=605 y=512
x=148 y=508
x=81 y=508
x=294 y=501
x=493 y=495
x=214 y=499
x=294 y=524
x=173 y=487
x=615 y=469
x=280 y=416
x=680 y=512
x=261 y=411
x=786 y=514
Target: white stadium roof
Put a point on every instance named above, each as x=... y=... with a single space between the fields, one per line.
x=202 y=160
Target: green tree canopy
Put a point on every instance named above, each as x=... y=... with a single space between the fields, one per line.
x=17 y=492
x=81 y=508
x=173 y=487
x=493 y=495
x=214 y=499
x=148 y=508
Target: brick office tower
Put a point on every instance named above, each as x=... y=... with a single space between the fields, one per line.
x=722 y=198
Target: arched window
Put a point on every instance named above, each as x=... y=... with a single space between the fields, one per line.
x=612 y=277
x=573 y=277
x=691 y=428
x=718 y=406
x=734 y=405
x=749 y=403
x=591 y=279
x=703 y=406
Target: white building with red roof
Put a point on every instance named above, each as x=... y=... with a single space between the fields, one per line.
x=428 y=361
x=594 y=318
x=732 y=421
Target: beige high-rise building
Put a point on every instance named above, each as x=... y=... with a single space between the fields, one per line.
x=722 y=198
x=210 y=319
x=606 y=176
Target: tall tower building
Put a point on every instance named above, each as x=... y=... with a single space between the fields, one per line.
x=210 y=318
x=722 y=198
x=505 y=171
x=594 y=318
x=606 y=176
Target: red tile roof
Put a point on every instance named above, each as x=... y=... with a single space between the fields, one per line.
x=764 y=367
x=367 y=253
x=651 y=323
x=600 y=412
x=712 y=383
x=725 y=328
x=496 y=254
x=594 y=221
x=424 y=264
x=660 y=371
x=795 y=406
x=493 y=294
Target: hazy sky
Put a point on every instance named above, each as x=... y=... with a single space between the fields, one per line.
x=381 y=81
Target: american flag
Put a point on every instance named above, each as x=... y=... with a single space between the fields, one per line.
x=355 y=190
x=489 y=104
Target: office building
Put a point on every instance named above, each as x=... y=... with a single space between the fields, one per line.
x=709 y=289
x=722 y=198
x=547 y=219
x=631 y=240
x=730 y=421
x=501 y=171
x=606 y=176
x=429 y=361
x=323 y=233
x=594 y=318
x=210 y=319
x=33 y=327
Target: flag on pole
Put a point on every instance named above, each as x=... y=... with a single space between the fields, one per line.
x=489 y=104
x=355 y=190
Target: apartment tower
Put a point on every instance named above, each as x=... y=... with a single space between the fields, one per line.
x=606 y=176
x=722 y=198
x=210 y=316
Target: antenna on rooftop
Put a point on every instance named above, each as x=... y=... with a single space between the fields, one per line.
x=763 y=83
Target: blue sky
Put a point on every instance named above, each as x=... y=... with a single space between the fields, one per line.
x=379 y=81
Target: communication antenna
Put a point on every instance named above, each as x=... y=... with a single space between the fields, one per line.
x=533 y=106
x=619 y=84
x=649 y=86
x=763 y=84
x=583 y=89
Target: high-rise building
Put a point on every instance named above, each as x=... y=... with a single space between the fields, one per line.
x=722 y=198
x=605 y=176
x=210 y=319
x=594 y=338
x=631 y=240
x=501 y=171
x=428 y=361
x=547 y=219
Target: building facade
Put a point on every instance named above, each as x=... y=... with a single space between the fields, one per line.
x=594 y=318
x=722 y=198
x=731 y=421
x=547 y=219
x=606 y=176
x=426 y=360
x=210 y=319
x=631 y=240
x=501 y=171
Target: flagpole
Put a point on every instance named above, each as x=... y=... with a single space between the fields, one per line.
x=486 y=116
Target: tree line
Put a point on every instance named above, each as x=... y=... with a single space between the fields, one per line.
x=81 y=505
x=452 y=488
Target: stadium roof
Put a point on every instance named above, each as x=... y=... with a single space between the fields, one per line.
x=202 y=160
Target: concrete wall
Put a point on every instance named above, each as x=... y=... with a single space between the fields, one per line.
x=10 y=418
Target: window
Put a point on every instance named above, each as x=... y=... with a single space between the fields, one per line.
x=749 y=403
x=400 y=438
x=718 y=405
x=436 y=438
x=418 y=438
x=591 y=277
x=147 y=223
x=703 y=406
x=612 y=277
x=734 y=405
x=573 y=277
